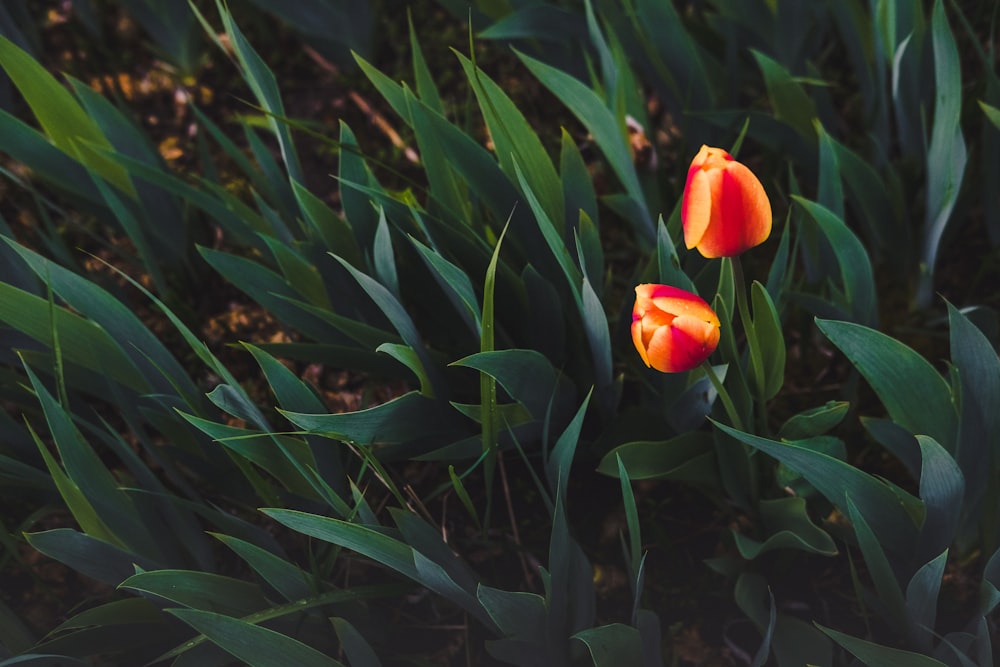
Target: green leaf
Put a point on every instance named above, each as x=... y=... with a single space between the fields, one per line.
x=612 y=645
x=922 y=599
x=856 y=274
x=876 y=655
x=827 y=444
x=487 y=383
x=410 y=417
x=426 y=542
x=332 y=228
x=88 y=555
x=120 y=612
x=265 y=88
x=290 y=581
x=604 y=127
x=898 y=440
x=76 y=502
x=570 y=588
x=989 y=586
x=456 y=285
x=979 y=426
x=402 y=322
x=686 y=457
x=688 y=411
x=670 y=271
x=463 y=496
x=82 y=341
x=382 y=256
x=516 y=614
x=270 y=290
x=879 y=567
x=113 y=508
x=992 y=113
x=595 y=324
x=43 y=660
x=547 y=332
x=255 y=645
x=873 y=196
x=916 y=396
x=836 y=480
x=561 y=458
x=359 y=652
x=145 y=350
x=682 y=66
x=535 y=22
x=789 y=100
x=527 y=376
x=794 y=642
x=62 y=118
x=830 y=191
x=426 y=87
x=51 y=164
x=553 y=238
x=946 y=152
x=14 y=635
x=382 y=548
x=462 y=154
x=815 y=421
x=374 y=544
x=407 y=356
x=200 y=590
x=942 y=488
x=768 y=345
x=632 y=522
x=362 y=218
x=517 y=143
x=288 y=388
x=578 y=187
x=787 y=525
x=301 y=274
x=448 y=190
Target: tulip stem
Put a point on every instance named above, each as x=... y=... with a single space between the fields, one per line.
x=727 y=401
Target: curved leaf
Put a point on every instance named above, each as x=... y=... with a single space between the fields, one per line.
x=916 y=396
x=257 y=646
x=836 y=480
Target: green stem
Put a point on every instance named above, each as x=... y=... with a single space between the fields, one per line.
x=727 y=402
x=741 y=296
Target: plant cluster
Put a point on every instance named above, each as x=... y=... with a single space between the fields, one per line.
x=514 y=299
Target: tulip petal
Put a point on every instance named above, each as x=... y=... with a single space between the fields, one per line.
x=692 y=306
x=693 y=341
x=640 y=345
x=683 y=345
x=754 y=208
x=696 y=209
x=660 y=350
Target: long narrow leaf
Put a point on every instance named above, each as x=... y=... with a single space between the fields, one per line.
x=253 y=644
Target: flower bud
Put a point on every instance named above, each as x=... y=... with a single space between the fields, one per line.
x=725 y=209
x=673 y=330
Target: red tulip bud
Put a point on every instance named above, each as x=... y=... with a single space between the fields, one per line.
x=725 y=209
x=673 y=330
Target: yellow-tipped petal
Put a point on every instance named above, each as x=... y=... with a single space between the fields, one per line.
x=640 y=346
x=660 y=350
x=696 y=209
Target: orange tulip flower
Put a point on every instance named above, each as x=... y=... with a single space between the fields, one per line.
x=673 y=330
x=725 y=209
